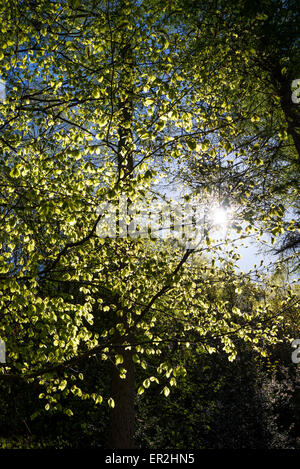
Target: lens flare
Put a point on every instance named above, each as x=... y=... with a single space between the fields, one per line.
x=219 y=216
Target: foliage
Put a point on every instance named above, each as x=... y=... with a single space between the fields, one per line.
x=99 y=96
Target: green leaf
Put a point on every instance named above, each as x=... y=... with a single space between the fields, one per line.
x=62 y=385
x=119 y=359
x=111 y=403
x=96 y=93
x=146 y=383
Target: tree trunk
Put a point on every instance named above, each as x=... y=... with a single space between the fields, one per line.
x=122 y=416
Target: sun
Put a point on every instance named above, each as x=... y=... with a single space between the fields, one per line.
x=219 y=216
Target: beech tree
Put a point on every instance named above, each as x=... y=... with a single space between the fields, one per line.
x=97 y=94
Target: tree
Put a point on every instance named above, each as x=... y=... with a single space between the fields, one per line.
x=97 y=92
x=248 y=52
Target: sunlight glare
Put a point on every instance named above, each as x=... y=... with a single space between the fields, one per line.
x=219 y=216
